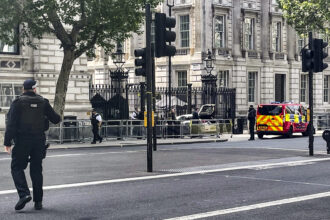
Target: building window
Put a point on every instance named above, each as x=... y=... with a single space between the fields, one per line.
x=277 y=36
x=9 y=49
x=252 y=86
x=224 y=78
x=184 y=30
x=152 y=37
x=325 y=39
x=8 y=92
x=220 y=31
x=182 y=78
x=326 y=89
x=303 y=88
x=301 y=44
x=249 y=33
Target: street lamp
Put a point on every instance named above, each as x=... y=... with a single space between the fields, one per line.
x=209 y=62
x=119 y=74
x=118 y=57
x=209 y=81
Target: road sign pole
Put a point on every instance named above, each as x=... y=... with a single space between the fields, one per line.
x=310 y=79
x=149 y=87
x=154 y=130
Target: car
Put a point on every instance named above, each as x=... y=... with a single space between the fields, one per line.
x=185 y=123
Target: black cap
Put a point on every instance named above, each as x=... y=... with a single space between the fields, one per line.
x=29 y=84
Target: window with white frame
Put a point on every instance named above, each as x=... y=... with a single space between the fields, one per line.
x=249 y=33
x=277 y=36
x=303 y=88
x=152 y=37
x=182 y=78
x=252 y=86
x=301 y=43
x=8 y=92
x=325 y=38
x=326 y=88
x=184 y=31
x=224 y=78
x=220 y=31
x=9 y=49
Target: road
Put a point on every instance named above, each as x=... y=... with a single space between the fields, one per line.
x=272 y=178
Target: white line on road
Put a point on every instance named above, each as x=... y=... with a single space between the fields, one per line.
x=252 y=207
x=92 y=183
x=175 y=149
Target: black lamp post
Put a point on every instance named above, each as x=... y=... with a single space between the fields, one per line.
x=209 y=81
x=170 y=4
x=119 y=74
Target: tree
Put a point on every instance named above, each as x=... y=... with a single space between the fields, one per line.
x=78 y=24
x=307 y=15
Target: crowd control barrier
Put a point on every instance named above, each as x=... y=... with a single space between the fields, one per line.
x=70 y=130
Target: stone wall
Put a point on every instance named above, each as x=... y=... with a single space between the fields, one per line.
x=48 y=60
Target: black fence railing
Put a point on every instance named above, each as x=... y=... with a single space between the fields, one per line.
x=106 y=99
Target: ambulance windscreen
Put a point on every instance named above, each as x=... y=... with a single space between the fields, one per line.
x=269 y=110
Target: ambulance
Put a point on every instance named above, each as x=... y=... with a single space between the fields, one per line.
x=281 y=119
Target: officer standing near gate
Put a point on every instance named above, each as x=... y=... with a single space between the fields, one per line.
x=252 y=121
x=25 y=126
x=96 y=121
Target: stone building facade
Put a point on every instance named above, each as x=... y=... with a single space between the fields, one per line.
x=42 y=64
x=255 y=51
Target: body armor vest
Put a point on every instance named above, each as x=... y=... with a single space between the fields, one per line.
x=94 y=121
x=32 y=115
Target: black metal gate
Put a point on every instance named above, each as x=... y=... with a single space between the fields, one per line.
x=109 y=102
x=183 y=99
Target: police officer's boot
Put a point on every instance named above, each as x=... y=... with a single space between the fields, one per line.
x=22 y=201
x=37 y=205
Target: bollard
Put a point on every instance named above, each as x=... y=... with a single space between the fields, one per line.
x=326 y=137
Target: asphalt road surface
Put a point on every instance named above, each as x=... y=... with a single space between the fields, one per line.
x=272 y=178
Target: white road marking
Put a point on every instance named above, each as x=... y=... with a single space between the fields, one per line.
x=93 y=183
x=252 y=207
x=277 y=180
x=174 y=149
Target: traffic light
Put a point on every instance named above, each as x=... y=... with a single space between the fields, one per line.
x=306 y=60
x=162 y=35
x=140 y=62
x=319 y=55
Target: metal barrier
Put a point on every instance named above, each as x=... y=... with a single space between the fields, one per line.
x=321 y=121
x=81 y=130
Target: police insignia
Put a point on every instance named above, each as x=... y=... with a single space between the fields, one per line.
x=34 y=105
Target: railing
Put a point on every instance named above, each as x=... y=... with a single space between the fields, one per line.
x=321 y=121
x=81 y=130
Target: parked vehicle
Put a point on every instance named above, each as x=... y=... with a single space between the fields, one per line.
x=282 y=119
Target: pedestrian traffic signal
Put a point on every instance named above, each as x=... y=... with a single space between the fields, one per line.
x=306 y=60
x=319 y=55
x=140 y=62
x=162 y=35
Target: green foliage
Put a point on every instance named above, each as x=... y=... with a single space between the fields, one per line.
x=78 y=24
x=307 y=15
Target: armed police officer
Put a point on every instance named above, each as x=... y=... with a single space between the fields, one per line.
x=252 y=121
x=96 y=121
x=25 y=126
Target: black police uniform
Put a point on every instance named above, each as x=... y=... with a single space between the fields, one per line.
x=95 y=125
x=26 y=126
x=252 y=120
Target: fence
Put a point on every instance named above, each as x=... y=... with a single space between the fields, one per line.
x=183 y=99
x=321 y=121
x=81 y=130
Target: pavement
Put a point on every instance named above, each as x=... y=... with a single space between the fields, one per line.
x=112 y=142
